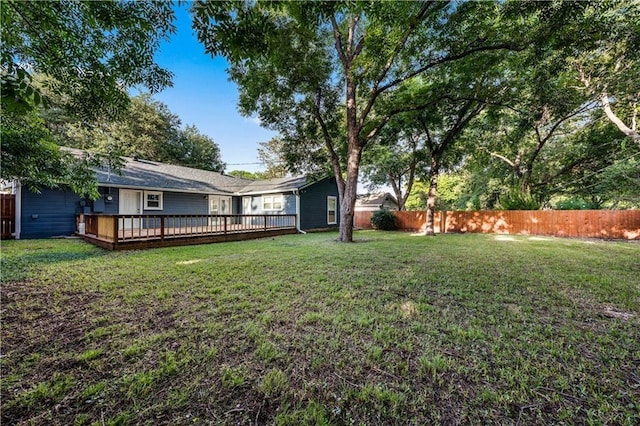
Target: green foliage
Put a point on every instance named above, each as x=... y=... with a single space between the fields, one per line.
x=518 y=199
x=81 y=56
x=278 y=160
x=417 y=199
x=384 y=220
x=30 y=155
x=576 y=204
x=194 y=149
x=247 y=175
x=149 y=130
x=452 y=190
x=293 y=61
x=91 y=51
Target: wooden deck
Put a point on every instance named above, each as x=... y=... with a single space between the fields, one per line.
x=126 y=232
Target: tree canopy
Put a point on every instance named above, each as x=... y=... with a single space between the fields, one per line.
x=88 y=54
x=147 y=130
x=334 y=71
x=92 y=50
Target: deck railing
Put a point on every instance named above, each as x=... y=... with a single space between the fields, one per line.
x=120 y=228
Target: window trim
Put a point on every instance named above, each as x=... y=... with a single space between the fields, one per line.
x=334 y=210
x=160 y=200
x=272 y=199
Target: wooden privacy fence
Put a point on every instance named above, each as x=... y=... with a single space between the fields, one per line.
x=7 y=215
x=609 y=224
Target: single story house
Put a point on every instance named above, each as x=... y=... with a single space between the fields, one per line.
x=376 y=201
x=150 y=187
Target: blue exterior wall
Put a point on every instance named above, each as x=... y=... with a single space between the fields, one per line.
x=288 y=205
x=53 y=212
x=102 y=205
x=182 y=203
x=48 y=214
x=313 y=204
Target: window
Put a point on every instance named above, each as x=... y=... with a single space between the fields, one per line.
x=332 y=210
x=272 y=202
x=152 y=200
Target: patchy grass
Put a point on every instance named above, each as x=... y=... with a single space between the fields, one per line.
x=396 y=329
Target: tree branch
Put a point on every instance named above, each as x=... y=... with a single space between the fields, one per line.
x=352 y=27
x=375 y=92
x=338 y=43
x=394 y=112
x=445 y=59
x=502 y=157
x=633 y=134
x=333 y=156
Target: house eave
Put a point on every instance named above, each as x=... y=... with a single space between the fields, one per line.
x=272 y=191
x=152 y=188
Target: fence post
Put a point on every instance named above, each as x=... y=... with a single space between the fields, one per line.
x=161 y=228
x=225 y=225
x=265 y=222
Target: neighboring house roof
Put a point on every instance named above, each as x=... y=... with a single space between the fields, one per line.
x=147 y=174
x=376 y=199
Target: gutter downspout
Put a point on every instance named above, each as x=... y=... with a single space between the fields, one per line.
x=17 y=189
x=297 y=194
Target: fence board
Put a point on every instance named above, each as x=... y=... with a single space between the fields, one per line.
x=608 y=224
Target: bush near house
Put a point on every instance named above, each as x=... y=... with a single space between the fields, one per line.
x=384 y=220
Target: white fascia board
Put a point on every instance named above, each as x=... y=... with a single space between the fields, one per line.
x=280 y=191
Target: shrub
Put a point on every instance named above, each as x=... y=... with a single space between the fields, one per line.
x=576 y=204
x=517 y=199
x=384 y=220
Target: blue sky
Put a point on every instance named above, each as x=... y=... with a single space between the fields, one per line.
x=203 y=95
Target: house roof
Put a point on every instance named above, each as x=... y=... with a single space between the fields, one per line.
x=147 y=174
x=276 y=185
x=377 y=199
x=152 y=174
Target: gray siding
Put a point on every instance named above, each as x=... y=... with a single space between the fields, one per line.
x=313 y=204
x=288 y=205
x=48 y=214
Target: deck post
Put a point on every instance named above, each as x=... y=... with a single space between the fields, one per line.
x=265 y=222
x=116 y=219
x=225 y=225
x=161 y=228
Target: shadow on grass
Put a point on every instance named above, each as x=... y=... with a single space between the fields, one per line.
x=21 y=258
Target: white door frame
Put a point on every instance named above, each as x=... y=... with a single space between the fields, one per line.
x=122 y=207
x=219 y=199
x=246 y=209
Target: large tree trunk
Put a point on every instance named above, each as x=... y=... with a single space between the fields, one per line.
x=353 y=167
x=434 y=173
x=397 y=191
x=349 y=198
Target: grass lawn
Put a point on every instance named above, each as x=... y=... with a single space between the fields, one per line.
x=393 y=329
